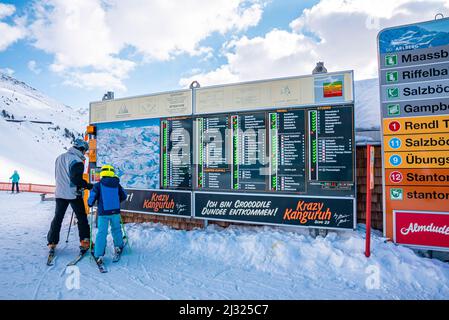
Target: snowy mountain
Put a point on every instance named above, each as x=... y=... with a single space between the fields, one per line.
x=35 y=130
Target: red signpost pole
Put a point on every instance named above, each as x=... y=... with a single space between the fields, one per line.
x=369 y=188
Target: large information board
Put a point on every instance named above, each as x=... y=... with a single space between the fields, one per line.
x=286 y=146
x=414 y=91
x=292 y=138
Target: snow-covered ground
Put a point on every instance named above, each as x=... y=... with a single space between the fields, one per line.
x=215 y=263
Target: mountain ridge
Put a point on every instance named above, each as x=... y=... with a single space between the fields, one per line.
x=35 y=130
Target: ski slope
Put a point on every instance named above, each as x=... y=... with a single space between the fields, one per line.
x=215 y=263
x=28 y=146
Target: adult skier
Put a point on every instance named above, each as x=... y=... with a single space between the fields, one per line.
x=109 y=193
x=69 y=168
x=15 y=181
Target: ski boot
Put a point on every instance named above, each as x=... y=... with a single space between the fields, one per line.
x=100 y=264
x=117 y=254
x=85 y=245
x=51 y=254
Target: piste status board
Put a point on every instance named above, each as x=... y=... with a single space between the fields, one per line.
x=176 y=153
x=278 y=152
x=414 y=91
x=293 y=150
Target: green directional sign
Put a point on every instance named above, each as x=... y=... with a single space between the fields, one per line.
x=394 y=110
x=391 y=60
x=393 y=93
x=392 y=76
x=396 y=194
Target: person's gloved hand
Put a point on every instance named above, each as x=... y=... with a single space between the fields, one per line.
x=89 y=186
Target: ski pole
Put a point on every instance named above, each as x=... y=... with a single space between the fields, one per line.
x=70 y=226
x=90 y=237
x=124 y=234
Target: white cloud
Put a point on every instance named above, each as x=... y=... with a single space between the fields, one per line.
x=161 y=29
x=77 y=35
x=348 y=29
x=279 y=53
x=6 y=10
x=7 y=71
x=90 y=80
x=10 y=33
x=90 y=38
x=342 y=33
x=32 y=66
x=219 y=76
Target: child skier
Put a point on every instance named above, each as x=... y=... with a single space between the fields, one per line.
x=109 y=193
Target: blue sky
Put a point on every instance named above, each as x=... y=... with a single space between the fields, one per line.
x=75 y=51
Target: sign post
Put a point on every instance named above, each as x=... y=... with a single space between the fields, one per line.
x=369 y=189
x=414 y=92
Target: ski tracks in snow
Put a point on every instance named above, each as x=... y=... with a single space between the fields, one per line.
x=36 y=290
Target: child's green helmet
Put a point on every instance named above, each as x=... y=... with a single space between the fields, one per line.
x=107 y=171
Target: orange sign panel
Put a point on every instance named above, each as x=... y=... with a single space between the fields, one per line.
x=428 y=198
x=90 y=129
x=433 y=124
x=417 y=177
x=92 y=144
x=422 y=159
x=418 y=198
x=419 y=142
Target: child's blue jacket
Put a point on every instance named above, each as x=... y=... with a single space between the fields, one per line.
x=109 y=193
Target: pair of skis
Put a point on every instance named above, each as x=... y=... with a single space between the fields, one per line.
x=82 y=253
x=100 y=262
x=52 y=256
x=80 y=256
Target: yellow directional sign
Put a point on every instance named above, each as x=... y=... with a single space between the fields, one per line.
x=419 y=142
x=422 y=159
x=427 y=124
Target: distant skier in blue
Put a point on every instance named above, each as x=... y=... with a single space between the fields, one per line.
x=109 y=193
x=15 y=181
